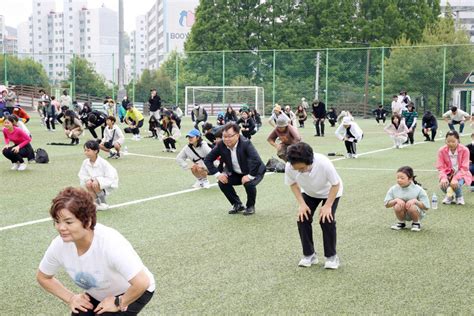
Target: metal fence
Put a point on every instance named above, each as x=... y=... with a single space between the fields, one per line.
x=356 y=79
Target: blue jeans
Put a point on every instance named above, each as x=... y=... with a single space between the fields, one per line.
x=458 y=191
x=453 y=122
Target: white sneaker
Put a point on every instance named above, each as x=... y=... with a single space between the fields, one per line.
x=205 y=184
x=308 y=261
x=332 y=262
x=138 y=137
x=102 y=206
x=354 y=156
x=197 y=184
x=15 y=166
x=447 y=200
x=460 y=200
x=348 y=155
x=415 y=227
x=173 y=150
x=22 y=167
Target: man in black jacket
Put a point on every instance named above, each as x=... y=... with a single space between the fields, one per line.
x=95 y=119
x=429 y=124
x=155 y=104
x=242 y=165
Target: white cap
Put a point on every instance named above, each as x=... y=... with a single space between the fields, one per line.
x=346 y=120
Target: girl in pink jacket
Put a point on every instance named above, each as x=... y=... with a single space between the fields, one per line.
x=453 y=167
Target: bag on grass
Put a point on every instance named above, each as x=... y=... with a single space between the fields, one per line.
x=41 y=156
x=275 y=165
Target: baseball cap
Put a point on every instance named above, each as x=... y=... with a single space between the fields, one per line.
x=282 y=121
x=346 y=120
x=193 y=133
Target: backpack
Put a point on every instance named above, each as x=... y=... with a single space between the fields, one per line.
x=275 y=165
x=41 y=156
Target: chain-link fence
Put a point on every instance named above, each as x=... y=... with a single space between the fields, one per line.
x=355 y=79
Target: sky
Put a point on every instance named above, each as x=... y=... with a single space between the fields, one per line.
x=17 y=11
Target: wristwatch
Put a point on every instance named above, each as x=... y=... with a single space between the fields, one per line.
x=117 y=302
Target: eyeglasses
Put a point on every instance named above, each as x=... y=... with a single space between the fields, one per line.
x=229 y=136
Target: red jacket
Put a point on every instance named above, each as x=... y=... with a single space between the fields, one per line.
x=444 y=166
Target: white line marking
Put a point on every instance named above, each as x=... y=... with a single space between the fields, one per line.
x=149 y=156
x=379 y=169
x=184 y=191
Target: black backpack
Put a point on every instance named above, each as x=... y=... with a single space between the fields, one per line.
x=41 y=156
x=275 y=165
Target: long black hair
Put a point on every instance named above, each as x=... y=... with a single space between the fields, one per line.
x=408 y=171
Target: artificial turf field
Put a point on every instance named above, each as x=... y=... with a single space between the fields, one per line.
x=208 y=262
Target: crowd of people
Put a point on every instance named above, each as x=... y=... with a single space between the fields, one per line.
x=225 y=151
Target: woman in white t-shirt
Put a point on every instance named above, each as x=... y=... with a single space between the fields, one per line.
x=98 y=259
x=314 y=180
x=113 y=138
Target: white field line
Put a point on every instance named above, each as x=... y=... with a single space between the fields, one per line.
x=387 y=169
x=150 y=156
x=188 y=190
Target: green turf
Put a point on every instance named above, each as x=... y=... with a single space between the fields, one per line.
x=208 y=262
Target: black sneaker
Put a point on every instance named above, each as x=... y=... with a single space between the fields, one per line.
x=236 y=209
x=398 y=226
x=249 y=210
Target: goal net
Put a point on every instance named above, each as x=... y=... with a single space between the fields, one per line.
x=217 y=99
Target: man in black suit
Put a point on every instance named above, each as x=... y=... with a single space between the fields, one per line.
x=242 y=165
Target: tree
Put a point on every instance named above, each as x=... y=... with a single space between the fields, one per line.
x=24 y=71
x=421 y=69
x=87 y=80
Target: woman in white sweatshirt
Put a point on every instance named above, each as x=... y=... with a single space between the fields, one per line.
x=349 y=132
x=113 y=138
x=97 y=175
x=196 y=151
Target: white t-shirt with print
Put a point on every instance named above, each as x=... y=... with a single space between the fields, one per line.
x=318 y=181
x=104 y=270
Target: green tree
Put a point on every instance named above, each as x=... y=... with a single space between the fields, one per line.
x=87 y=80
x=23 y=71
x=420 y=70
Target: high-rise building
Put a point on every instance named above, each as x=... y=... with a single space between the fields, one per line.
x=168 y=24
x=53 y=38
x=8 y=38
x=463 y=11
x=138 y=47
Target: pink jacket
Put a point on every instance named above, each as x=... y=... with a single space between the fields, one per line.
x=444 y=166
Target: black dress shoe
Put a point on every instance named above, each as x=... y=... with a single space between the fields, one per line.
x=237 y=208
x=249 y=210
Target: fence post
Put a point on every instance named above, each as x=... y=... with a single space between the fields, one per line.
x=134 y=79
x=443 y=100
x=327 y=73
x=273 y=88
x=383 y=74
x=177 y=80
x=223 y=79
x=113 y=76
x=73 y=86
x=5 y=69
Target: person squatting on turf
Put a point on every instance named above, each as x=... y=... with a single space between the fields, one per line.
x=198 y=115
x=113 y=138
x=408 y=200
x=98 y=259
x=471 y=160
x=313 y=179
x=291 y=115
x=134 y=119
x=301 y=115
x=410 y=117
x=96 y=119
x=380 y=114
x=196 y=151
x=429 y=124
x=170 y=132
x=286 y=134
x=20 y=113
x=72 y=126
x=243 y=166
x=456 y=116
x=397 y=130
x=349 y=132
x=247 y=124
x=453 y=167
x=97 y=175
x=21 y=147
x=319 y=115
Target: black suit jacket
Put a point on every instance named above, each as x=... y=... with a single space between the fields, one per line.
x=249 y=160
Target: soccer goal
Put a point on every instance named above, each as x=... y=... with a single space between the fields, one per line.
x=217 y=99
